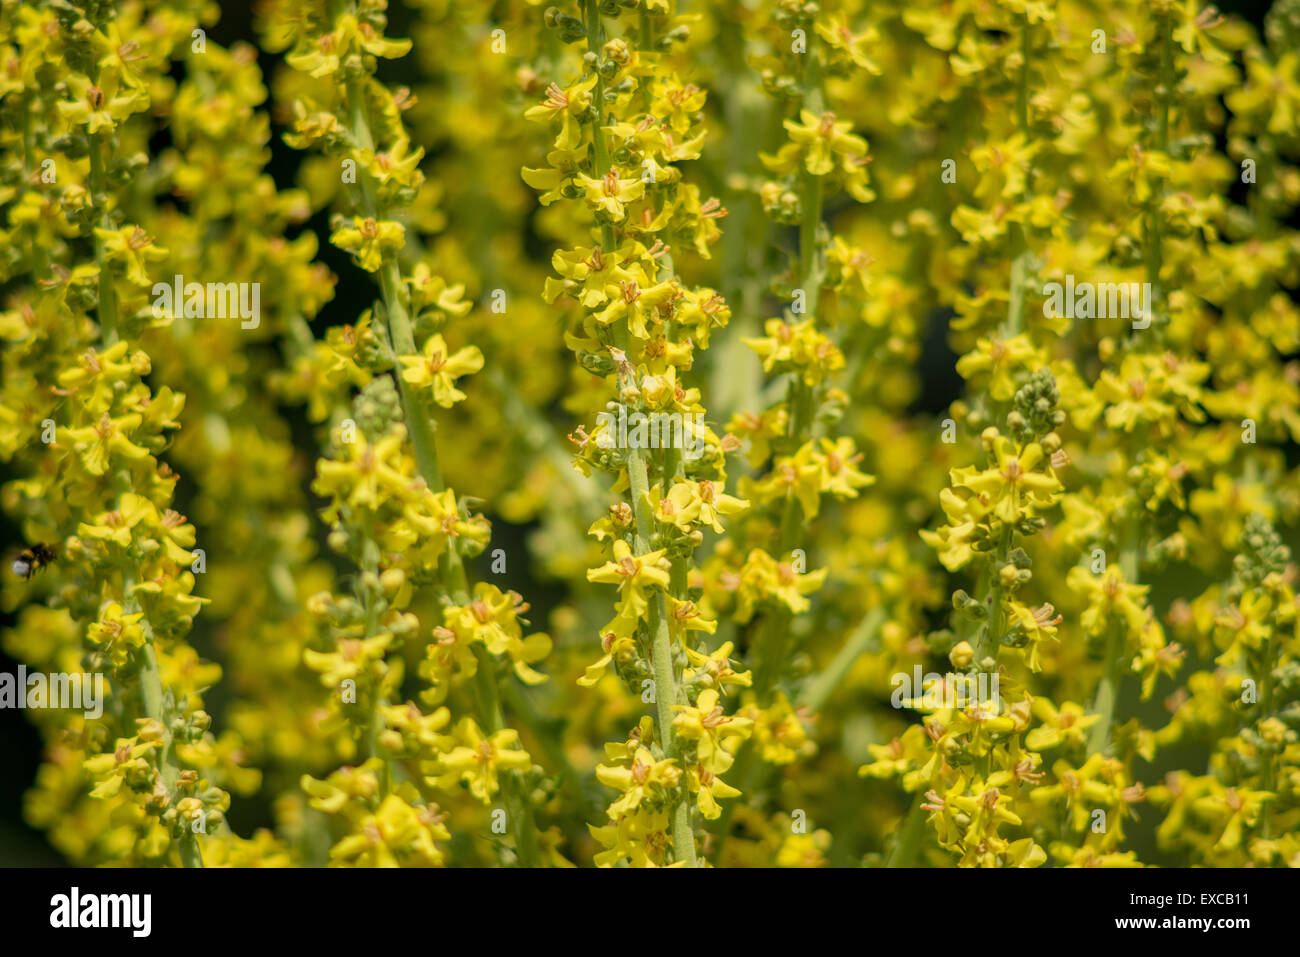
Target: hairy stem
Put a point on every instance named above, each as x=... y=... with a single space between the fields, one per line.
x=420 y=427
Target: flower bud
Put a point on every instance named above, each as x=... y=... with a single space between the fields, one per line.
x=391 y=580
x=962 y=654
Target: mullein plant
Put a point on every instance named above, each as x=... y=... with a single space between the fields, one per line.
x=1154 y=392
x=621 y=122
x=239 y=453
x=389 y=510
x=744 y=219
x=789 y=431
x=1243 y=811
x=143 y=782
x=1148 y=395
x=983 y=780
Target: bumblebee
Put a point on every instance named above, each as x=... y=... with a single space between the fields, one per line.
x=33 y=559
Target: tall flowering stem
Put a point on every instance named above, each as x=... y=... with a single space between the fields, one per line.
x=89 y=445
x=404 y=750
x=622 y=127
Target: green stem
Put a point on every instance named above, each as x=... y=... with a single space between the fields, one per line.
x=1108 y=689
x=991 y=639
x=147 y=675
x=420 y=427
x=773 y=637
x=772 y=640
x=370 y=564
x=594 y=36
x=818 y=690
x=667 y=694
x=736 y=376
x=548 y=732
x=419 y=422
x=1153 y=239
x=909 y=838
x=1016 y=295
x=151 y=696
x=518 y=809
x=813 y=698
x=107 y=309
x=1266 y=700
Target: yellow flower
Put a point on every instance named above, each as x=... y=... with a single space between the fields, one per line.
x=778 y=732
x=567 y=106
x=325 y=55
x=134 y=247
x=97 y=445
x=799 y=348
x=371 y=241
x=635 y=576
x=396 y=835
x=1020 y=481
x=493 y=618
x=707 y=788
x=822 y=138
x=127 y=764
x=763 y=579
x=640 y=838
x=370 y=474
x=821 y=145
x=1063 y=727
x=1000 y=361
x=353 y=658
x=479 y=759
x=611 y=193
x=618 y=645
x=437 y=370
x=641 y=778
x=99 y=108
x=709 y=728
x=639 y=300
x=712 y=670
x=117 y=633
